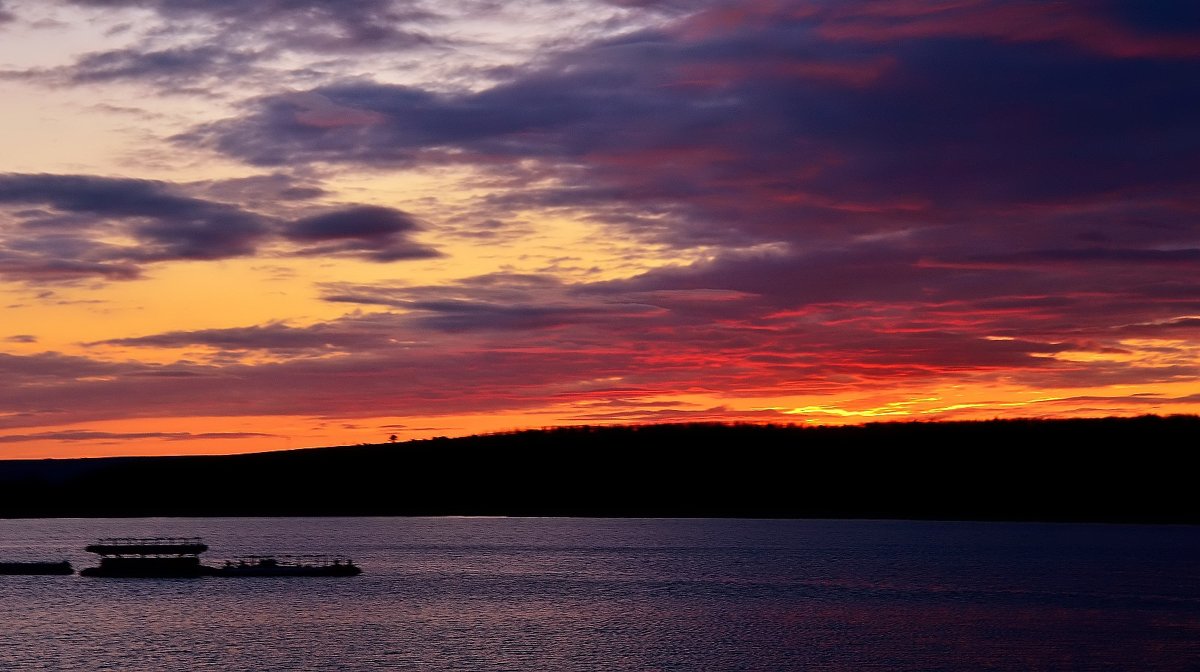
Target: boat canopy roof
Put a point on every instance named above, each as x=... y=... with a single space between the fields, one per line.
x=148 y=546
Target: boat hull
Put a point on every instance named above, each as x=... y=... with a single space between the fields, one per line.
x=138 y=567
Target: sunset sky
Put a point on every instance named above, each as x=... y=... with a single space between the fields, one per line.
x=230 y=226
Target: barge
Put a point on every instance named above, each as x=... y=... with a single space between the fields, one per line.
x=153 y=557
x=309 y=565
x=179 y=557
x=36 y=568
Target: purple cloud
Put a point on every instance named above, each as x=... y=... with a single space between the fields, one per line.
x=166 y=225
x=793 y=127
x=349 y=334
x=199 y=47
x=376 y=233
x=57 y=224
x=298 y=25
x=168 y=69
x=494 y=302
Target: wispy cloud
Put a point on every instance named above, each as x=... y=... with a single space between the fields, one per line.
x=84 y=435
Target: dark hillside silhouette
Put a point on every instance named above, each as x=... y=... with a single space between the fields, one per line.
x=1112 y=469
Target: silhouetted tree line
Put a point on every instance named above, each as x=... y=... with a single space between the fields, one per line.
x=1112 y=469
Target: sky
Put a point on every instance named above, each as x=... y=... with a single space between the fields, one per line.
x=233 y=226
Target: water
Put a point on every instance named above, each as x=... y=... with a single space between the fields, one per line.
x=574 y=594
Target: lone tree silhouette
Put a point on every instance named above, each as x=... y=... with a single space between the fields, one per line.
x=392 y=438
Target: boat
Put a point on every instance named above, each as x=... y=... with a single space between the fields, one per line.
x=32 y=568
x=269 y=565
x=147 y=557
x=157 y=557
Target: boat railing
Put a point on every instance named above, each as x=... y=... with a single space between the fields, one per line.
x=143 y=546
x=300 y=560
x=150 y=541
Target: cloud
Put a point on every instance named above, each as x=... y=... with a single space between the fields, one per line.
x=1135 y=399
x=53 y=366
x=607 y=351
x=1163 y=328
x=1117 y=29
x=1097 y=255
x=219 y=48
x=1173 y=17
x=113 y=437
x=65 y=241
x=72 y=230
x=22 y=338
x=495 y=303
x=295 y=25
x=373 y=232
x=647 y=413
x=490 y=303
x=766 y=129
x=636 y=340
x=262 y=191
x=216 y=47
x=39 y=270
x=1084 y=301
x=945 y=169
x=404 y=379
x=348 y=334
x=168 y=69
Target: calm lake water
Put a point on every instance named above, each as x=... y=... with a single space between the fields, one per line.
x=577 y=594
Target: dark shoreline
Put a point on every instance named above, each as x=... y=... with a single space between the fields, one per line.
x=1120 y=470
